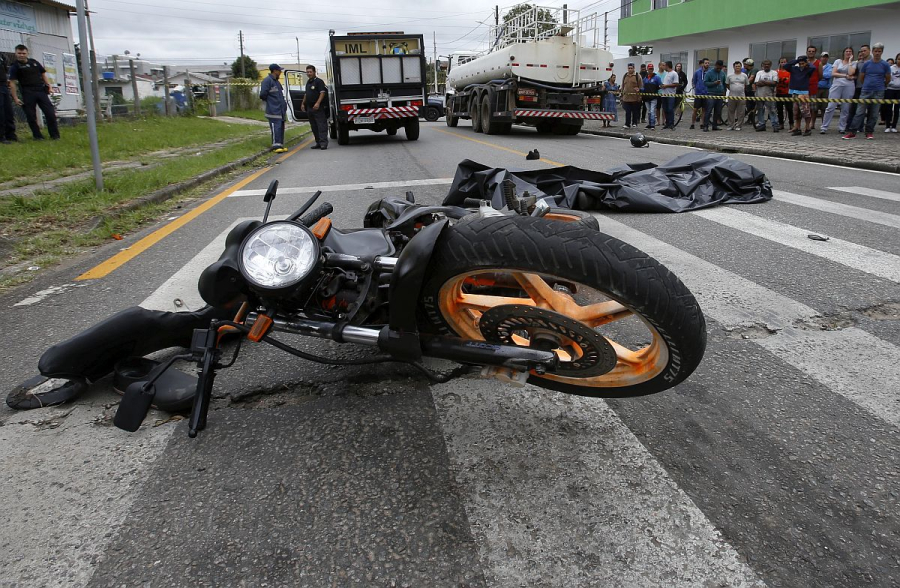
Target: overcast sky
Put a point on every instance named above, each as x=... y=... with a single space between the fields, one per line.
x=206 y=31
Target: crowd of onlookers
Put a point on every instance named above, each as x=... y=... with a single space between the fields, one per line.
x=804 y=85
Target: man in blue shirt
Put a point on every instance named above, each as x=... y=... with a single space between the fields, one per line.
x=874 y=75
x=272 y=93
x=699 y=90
x=714 y=80
x=651 y=86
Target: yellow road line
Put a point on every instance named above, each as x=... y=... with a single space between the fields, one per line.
x=294 y=150
x=495 y=146
x=123 y=257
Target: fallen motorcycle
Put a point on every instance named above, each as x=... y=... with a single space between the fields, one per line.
x=526 y=294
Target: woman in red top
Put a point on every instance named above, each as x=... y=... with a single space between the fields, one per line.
x=782 y=91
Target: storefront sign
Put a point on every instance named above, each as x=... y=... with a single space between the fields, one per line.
x=70 y=73
x=17 y=17
x=50 y=66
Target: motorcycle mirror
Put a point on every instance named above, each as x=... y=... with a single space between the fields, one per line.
x=270 y=191
x=134 y=406
x=269 y=197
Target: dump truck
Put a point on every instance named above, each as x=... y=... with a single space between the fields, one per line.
x=544 y=68
x=376 y=81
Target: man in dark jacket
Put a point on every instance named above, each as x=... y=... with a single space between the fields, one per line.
x=714 y=80
x=272 y=93
x=315 y=104
x=29 y=76
x=7 y=118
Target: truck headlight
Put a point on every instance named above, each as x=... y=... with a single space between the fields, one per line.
x=279 y=256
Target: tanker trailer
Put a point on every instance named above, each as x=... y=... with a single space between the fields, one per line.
x=544 y=68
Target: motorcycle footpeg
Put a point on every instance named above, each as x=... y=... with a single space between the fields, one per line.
x=134 y=406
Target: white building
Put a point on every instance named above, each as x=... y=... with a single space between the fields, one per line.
x=44 y=27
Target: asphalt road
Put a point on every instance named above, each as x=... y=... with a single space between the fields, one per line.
x=777 y=463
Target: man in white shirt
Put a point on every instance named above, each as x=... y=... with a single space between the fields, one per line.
x=667 y=91
x=764 y=86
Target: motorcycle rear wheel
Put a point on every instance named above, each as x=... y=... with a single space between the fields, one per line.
x=645 y=312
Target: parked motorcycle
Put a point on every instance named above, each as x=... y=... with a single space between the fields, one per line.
x=528 y=294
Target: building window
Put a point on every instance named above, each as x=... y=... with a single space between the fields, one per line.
x=680 y=57
x=713 y=55
x=835 y=44
x=773 y=51
x=626 y=9
x=657 y=4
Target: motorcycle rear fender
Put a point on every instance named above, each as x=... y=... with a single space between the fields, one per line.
x=406 y=288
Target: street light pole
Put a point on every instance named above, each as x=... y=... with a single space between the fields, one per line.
x=89 y=98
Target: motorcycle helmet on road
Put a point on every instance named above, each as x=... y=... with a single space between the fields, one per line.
x=639 y=140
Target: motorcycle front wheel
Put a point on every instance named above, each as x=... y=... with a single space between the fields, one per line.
x=498 y=267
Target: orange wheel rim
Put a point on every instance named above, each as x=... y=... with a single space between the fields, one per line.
x=465 y=297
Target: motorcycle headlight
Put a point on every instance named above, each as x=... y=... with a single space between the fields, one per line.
x=279 y=256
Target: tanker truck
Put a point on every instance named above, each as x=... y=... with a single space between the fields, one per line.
x=544 y=68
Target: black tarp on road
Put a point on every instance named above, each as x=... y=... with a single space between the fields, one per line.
x=689 y=182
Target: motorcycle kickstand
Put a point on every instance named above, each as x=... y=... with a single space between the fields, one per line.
x=204 y=345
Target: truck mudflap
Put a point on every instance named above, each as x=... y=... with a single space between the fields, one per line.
x=386 y=112
x=570 y=114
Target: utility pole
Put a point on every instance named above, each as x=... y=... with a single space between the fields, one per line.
x=89 y=100
x=565 y=13
x=298 y=50
x=188 y=90
x=434 y=40
x=134 y=90
x=241 y=37
x=496 y=15
x=95 y=72
x=166 y=88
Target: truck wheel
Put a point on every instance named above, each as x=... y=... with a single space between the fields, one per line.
x=392 y=132
x=432 y=114
x=489 y=126
x=544 y=127
x=332 y=130
x=411 y=126
x=475 y=114
x=564 y=129
x=451 y=119
x=343 y=133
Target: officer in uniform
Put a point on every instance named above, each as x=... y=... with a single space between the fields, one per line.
x=31 y=77
x=315 y=104
x=7 y=118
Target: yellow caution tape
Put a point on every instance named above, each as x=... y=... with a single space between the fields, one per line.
x=795 y=98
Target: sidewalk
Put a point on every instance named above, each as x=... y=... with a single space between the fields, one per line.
x=882 y=153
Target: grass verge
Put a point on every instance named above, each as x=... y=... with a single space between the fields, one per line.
x=41 y=230
x=251 y=114
x=118 y=140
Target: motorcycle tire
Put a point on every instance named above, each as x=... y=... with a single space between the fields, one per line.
x=485 y=265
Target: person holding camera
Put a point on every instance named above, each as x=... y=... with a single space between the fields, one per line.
x=29 y=76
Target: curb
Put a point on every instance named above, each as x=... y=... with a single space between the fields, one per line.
x=169 y=192
x=872 y=165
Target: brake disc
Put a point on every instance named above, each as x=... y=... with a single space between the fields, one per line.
x=590 y=354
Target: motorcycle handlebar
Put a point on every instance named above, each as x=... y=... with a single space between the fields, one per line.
x=322 y=211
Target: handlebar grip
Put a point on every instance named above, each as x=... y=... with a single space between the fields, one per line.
x=321 y=211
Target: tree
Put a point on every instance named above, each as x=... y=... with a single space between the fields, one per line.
x=544 y=16
x=640 y=50
x=251 y=71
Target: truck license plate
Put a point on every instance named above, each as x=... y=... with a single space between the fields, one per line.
x=364 y=120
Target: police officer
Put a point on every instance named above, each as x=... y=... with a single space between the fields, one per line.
x=315 y=104
x=7 y=118
x=31 y=77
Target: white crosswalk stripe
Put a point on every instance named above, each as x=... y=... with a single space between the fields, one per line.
x=736 y=303
x=884 y=195
x=864 y=214
x=865 y=259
